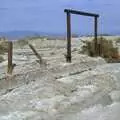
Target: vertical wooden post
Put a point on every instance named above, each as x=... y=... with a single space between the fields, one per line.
x=95 y=35
x=10 y=53
x=68 y=58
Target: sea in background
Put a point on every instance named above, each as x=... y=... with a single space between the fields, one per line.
x=20 y=18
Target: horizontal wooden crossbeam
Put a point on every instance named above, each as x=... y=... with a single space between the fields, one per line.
x=81 y=13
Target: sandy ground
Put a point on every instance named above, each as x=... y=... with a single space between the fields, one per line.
x=86 y=89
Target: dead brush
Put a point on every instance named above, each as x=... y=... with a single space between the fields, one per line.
x=1 y=59
x=105 y=49
x=3 y=46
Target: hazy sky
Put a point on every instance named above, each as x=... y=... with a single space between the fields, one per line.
x=49 y=16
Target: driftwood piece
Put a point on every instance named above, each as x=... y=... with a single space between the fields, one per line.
x=36 y=53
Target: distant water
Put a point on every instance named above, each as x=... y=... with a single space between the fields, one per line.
x=47 y=16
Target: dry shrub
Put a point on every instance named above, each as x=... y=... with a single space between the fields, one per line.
x=89 y=48
x=22 y=43
x=1 y=59
x=3 y=46
x=118 y=40
x=105 y=49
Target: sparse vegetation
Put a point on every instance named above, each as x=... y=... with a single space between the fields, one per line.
x=118 y=40
x=1 y=59
x=3 y=46
x=22 y=43
x=106 y=48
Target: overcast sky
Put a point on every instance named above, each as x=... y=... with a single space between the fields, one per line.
x=49 y=16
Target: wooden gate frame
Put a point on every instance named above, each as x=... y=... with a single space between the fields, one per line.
x=68 y=14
